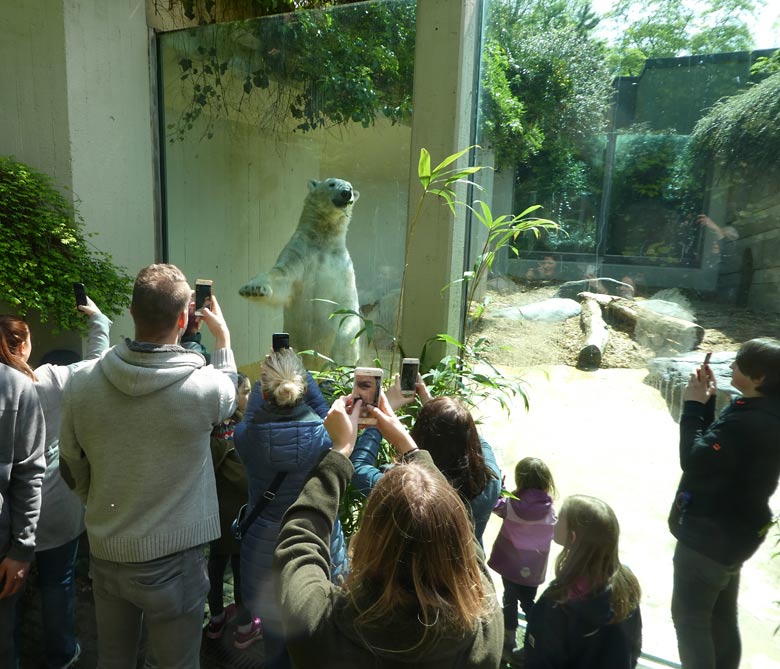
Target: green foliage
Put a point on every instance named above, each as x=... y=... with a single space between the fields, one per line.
x=466 y=373
x=740 y=131
x=668 y=28
x=766 y=66
x=44 y=249
x=546 y=86
x=337 y=67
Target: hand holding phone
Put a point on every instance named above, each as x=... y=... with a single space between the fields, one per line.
x=202 y=294
x=704 y=366
x=409 y=369
x=367 y=387
x=80 y=293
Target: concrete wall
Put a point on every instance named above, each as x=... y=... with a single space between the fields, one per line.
x=76 y=105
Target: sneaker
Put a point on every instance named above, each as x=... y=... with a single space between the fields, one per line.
x=243 y=640
x=217 y=624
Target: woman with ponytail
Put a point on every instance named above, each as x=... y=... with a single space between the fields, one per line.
x=282 y=432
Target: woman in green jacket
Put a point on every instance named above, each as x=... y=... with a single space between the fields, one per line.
x=419 y=593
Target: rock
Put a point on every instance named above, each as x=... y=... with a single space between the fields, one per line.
x=571 y=289
x=553 y=310
x=670 y=376
x=666 y=308
x=502 y=285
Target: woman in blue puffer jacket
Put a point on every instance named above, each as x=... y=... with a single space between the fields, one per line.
x=282 y=431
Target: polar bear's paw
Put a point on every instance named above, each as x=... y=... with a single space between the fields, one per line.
x=257 y=289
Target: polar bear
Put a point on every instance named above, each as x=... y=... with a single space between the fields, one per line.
x=315 y=265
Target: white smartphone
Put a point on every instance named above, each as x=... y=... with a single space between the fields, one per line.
x=367 y=387
x=409 y=369
x=202 y=294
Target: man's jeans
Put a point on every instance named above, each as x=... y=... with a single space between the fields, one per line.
x=167 y=595
x=704 y=610
x=57 y=583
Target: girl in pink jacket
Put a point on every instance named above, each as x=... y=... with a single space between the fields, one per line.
x=522 y=547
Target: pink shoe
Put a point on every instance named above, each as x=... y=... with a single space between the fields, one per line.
x=217 y=624
x=243 y=640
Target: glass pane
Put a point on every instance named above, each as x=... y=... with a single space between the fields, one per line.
x=649 y=133
x=254 y=111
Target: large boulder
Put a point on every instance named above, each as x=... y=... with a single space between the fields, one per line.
x=670 y=376
x=554 y=310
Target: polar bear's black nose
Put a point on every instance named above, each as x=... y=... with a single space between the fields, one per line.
x=343 y=197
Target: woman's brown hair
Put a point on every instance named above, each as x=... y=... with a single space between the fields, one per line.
x=13 y=332
x=445 y=428
x=415 y=550
x=590 y=555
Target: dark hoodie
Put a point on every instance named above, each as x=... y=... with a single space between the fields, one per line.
x=320 y=618
x=578 y=635
x=730 y=470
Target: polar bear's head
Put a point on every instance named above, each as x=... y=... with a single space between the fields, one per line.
x=336 y=191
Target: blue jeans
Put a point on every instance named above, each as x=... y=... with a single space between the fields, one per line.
x=167 y=594
x=704 y=611
x=57 y=583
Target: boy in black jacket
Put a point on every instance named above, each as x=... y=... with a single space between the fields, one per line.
x=721 y=511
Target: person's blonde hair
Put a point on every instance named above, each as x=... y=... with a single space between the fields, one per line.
x=415 y=549
x=283 y=378
x=593 y=556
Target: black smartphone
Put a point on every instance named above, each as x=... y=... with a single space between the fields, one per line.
x=202 y=294
x=409 y=369
x=80 y=293
x=280 y=340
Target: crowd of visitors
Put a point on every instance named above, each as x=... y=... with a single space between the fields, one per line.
x=176 y=470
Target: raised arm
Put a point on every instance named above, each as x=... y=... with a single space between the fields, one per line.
x=99 y=324
x=363 y=458
x=302 y=556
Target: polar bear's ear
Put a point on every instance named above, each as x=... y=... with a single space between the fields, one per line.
x=313 y=183
x=355 y=196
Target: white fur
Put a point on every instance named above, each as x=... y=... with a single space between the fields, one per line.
x=316 y=265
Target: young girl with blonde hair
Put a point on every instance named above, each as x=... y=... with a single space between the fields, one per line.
x=589 y=616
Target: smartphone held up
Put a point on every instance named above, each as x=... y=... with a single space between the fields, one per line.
x=202 y=294
x=706 y=362
x=409 y=370
x=80 y=293
x=367 y=387
x=280 y=340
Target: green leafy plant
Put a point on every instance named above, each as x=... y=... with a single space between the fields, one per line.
x=44 y=249
x=319 y=69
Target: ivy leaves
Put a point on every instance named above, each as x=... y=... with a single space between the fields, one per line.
x=44 y=249
x=325 y=68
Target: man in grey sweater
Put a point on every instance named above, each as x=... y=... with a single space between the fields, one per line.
x=22 y=436
x=134 y=445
